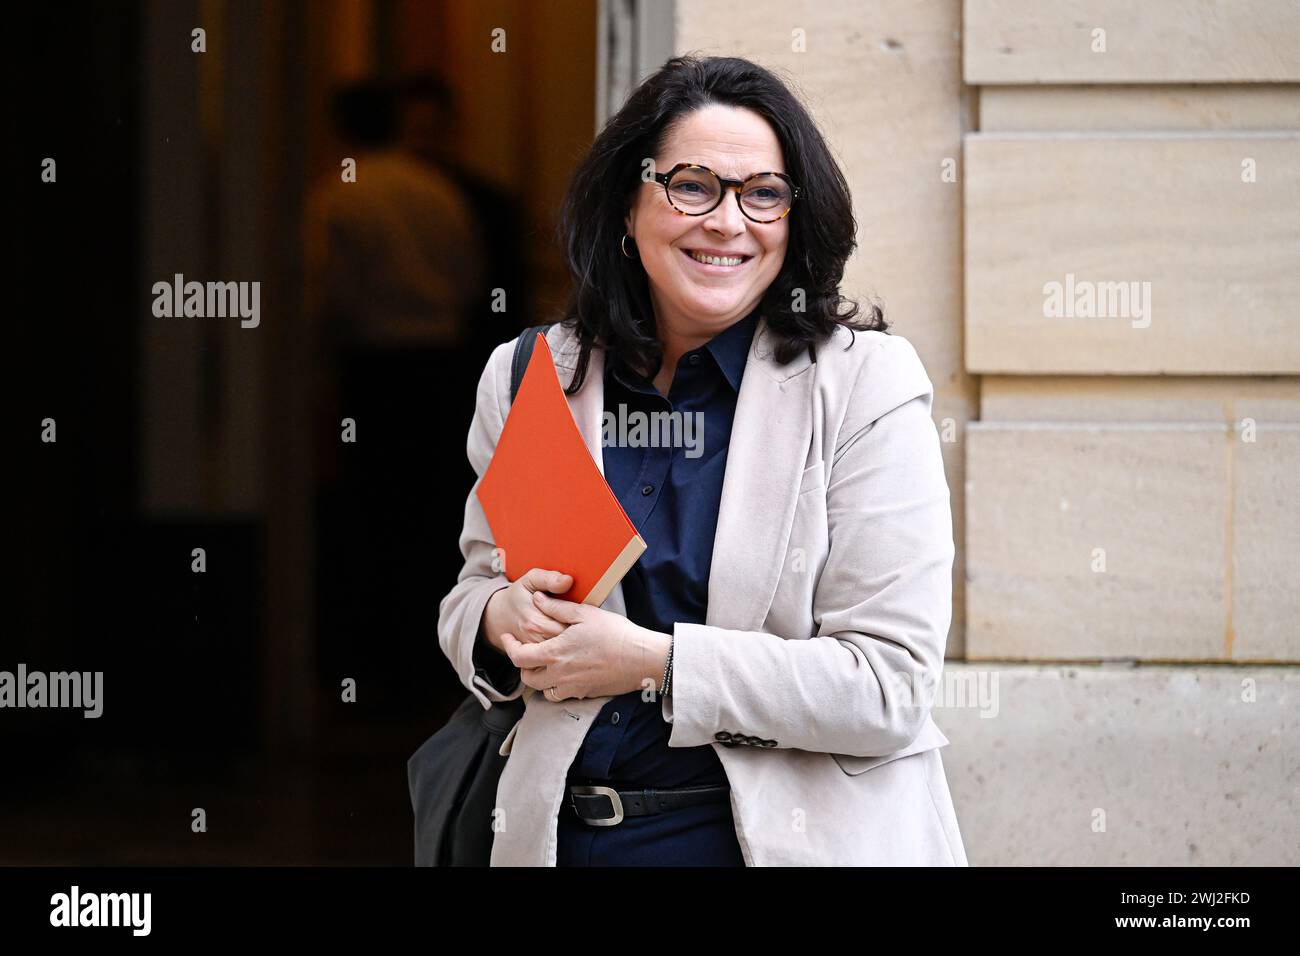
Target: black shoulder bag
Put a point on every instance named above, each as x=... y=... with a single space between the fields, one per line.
x=453 y=776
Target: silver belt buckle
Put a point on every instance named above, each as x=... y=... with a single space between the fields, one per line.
x=600 y=791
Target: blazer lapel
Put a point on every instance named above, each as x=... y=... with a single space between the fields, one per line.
x=770 y=437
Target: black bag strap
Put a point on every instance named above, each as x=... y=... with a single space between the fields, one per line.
x=523 y=353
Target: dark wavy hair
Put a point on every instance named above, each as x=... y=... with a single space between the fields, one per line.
x=609 y=301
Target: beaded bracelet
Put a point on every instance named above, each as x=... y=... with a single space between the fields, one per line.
x=668 y=670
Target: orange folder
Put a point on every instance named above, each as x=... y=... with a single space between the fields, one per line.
x=545 y=499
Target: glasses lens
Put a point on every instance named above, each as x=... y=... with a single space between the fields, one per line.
x=766 y=197
x=693 y=190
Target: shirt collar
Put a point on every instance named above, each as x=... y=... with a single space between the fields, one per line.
x=729 y=348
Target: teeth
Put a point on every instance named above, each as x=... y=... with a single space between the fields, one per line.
x=716 y=260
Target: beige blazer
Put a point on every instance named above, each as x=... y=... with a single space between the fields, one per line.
x=830 y=597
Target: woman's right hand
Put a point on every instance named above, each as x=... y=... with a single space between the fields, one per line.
x=511 y=609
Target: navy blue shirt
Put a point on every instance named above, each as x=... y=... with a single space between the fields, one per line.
x=671 y=494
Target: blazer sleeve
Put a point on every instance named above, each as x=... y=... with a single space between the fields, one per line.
x=865 y=684
x=487 y=673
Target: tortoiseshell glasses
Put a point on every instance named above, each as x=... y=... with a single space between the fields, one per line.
x=694 y=190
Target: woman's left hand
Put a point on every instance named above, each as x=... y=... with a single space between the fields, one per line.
x=598 y=654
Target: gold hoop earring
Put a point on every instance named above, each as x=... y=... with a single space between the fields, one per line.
x=622 y=244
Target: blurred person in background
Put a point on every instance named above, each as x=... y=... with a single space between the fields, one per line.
x=396 y=268
x=431 y=126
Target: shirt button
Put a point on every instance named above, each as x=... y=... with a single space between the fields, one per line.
x=694 y=359
x=647 y=489
x=614 y=719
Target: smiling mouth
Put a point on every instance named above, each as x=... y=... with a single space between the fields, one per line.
x=726 y=262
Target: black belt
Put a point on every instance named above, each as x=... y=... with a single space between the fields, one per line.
x=606 y=807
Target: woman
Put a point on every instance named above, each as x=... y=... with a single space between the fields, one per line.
x=757 y=690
